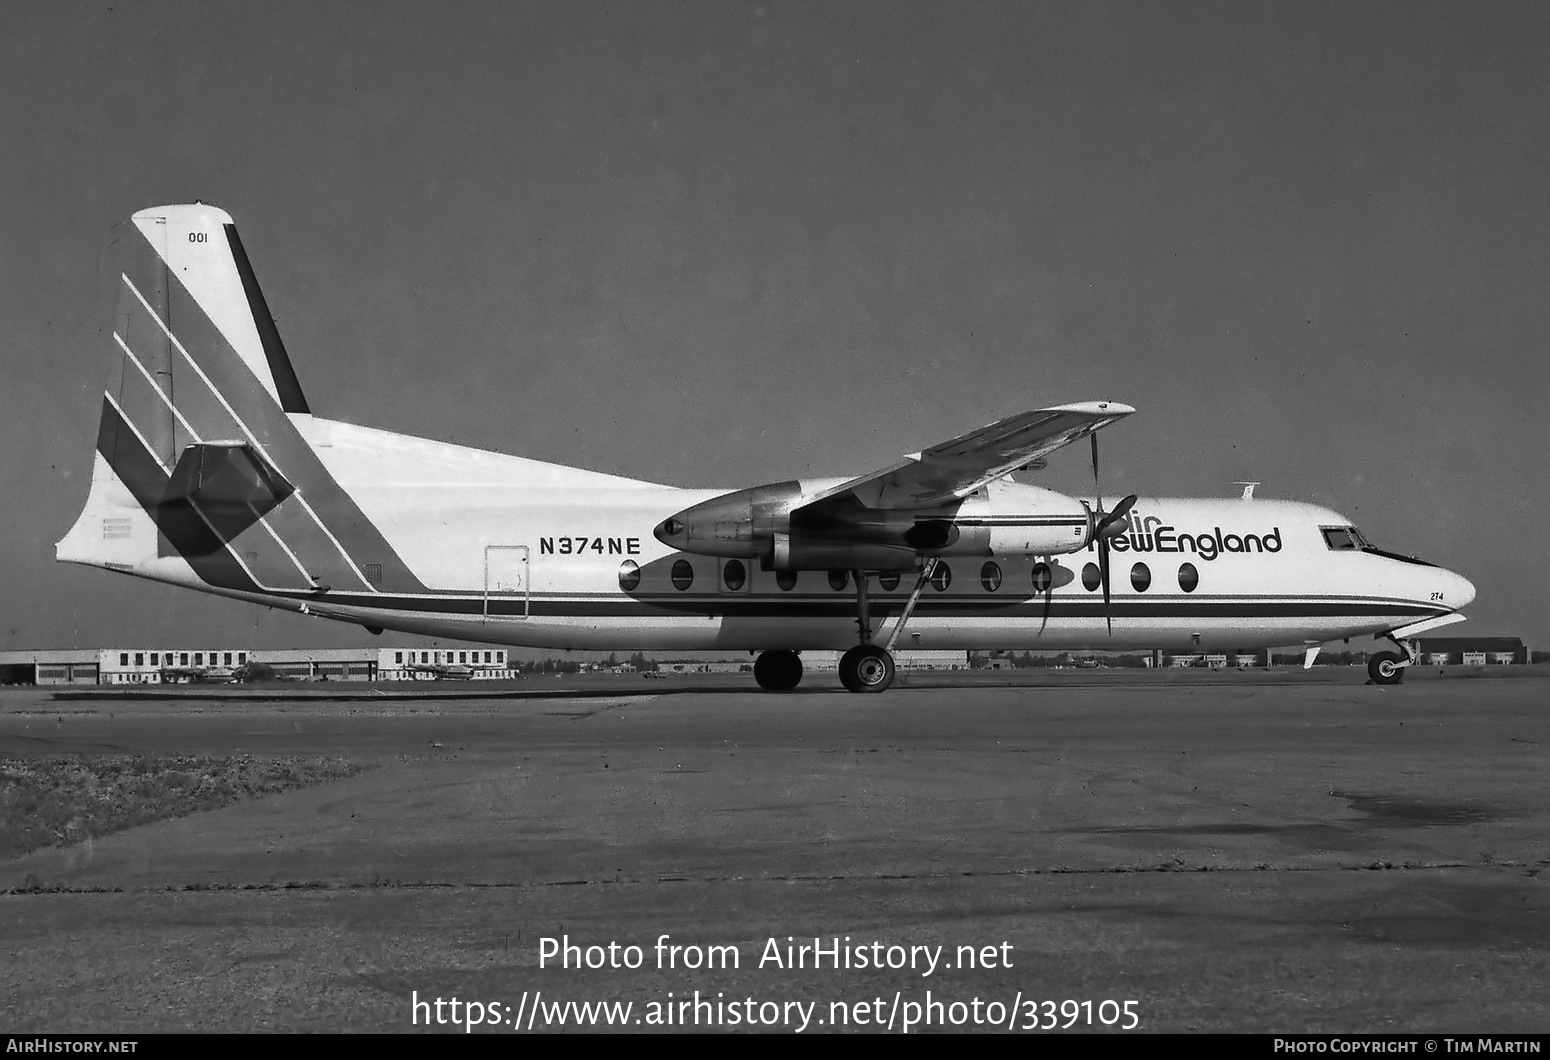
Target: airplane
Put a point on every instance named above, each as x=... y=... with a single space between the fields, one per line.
x=213 y=473
x=198 y=675
x=441 y=672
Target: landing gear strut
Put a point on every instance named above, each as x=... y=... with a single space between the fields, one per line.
x=778 y=671
x=867 y=667
x=1388 y=667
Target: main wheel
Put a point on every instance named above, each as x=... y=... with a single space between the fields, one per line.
x=778 y=671
x=866 y=668
x=1384 y=668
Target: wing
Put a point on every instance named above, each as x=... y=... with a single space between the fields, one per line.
x=956 y=468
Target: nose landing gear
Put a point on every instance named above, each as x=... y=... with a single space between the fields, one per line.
x=1384 y=668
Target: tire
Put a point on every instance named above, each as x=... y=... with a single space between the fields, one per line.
x=778 y=671
x=867 y=668
x=1384 y=668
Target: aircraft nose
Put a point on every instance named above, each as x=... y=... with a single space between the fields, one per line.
x=1457 y=590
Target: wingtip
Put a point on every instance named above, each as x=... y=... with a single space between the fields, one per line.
x=1094 y=408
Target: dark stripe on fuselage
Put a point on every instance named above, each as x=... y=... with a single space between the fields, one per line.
x=1015 y=520
x=963 y=607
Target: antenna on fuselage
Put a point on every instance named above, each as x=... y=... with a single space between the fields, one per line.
x=1248 y=490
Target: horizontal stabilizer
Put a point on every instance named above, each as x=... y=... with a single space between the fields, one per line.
x=217 y=473
x=227 y=485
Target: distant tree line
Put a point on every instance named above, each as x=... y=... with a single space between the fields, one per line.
x=571 y=666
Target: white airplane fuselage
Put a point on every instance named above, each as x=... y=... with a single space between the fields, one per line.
x=513 y=551
x=211 y=472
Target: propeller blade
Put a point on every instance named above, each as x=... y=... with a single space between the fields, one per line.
x=1122 y=509
x=1048 y=594
x=1103 y=576
x=1097 y=490
x=1104 y=527
x=1114 y=524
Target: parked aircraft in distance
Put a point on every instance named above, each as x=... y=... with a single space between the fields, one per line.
x=199 y=675
x=442 y=672
x=213 y=473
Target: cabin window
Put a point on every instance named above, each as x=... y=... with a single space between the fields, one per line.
x=838 y=579
x=1189 y=577
x=683 y=575
x=990 y=576
x=123 y=658
x=1091 y=579
x=786 y=579
x=941 y=577
x=155 y=658
x=1042 y=578
x=734 y=574
x=1140 y=577
x=242 y=657
x=139 y=658
x=629 y=575
x=888 y=580
x=199 y=658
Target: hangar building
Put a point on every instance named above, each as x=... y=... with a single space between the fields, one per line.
x=152 y=666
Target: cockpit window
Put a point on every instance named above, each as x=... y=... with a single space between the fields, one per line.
x=1344 y=539
x=1350 y=539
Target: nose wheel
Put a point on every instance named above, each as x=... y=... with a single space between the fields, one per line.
x=867 y=668
x=1384 y=668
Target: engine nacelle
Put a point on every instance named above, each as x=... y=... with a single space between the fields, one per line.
x=741 y=524
x=775 y=525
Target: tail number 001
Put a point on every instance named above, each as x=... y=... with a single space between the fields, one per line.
x=198 y=237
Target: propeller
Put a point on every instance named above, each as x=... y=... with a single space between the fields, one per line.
x=1048 y=592
x=1105 y=526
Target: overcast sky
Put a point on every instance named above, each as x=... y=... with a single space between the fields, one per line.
x=725 y=243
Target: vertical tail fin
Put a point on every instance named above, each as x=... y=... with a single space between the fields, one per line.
x=198 y=247
x=199 y=464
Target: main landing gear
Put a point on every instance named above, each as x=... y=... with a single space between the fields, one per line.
x=778 y=671
x=867 y=667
